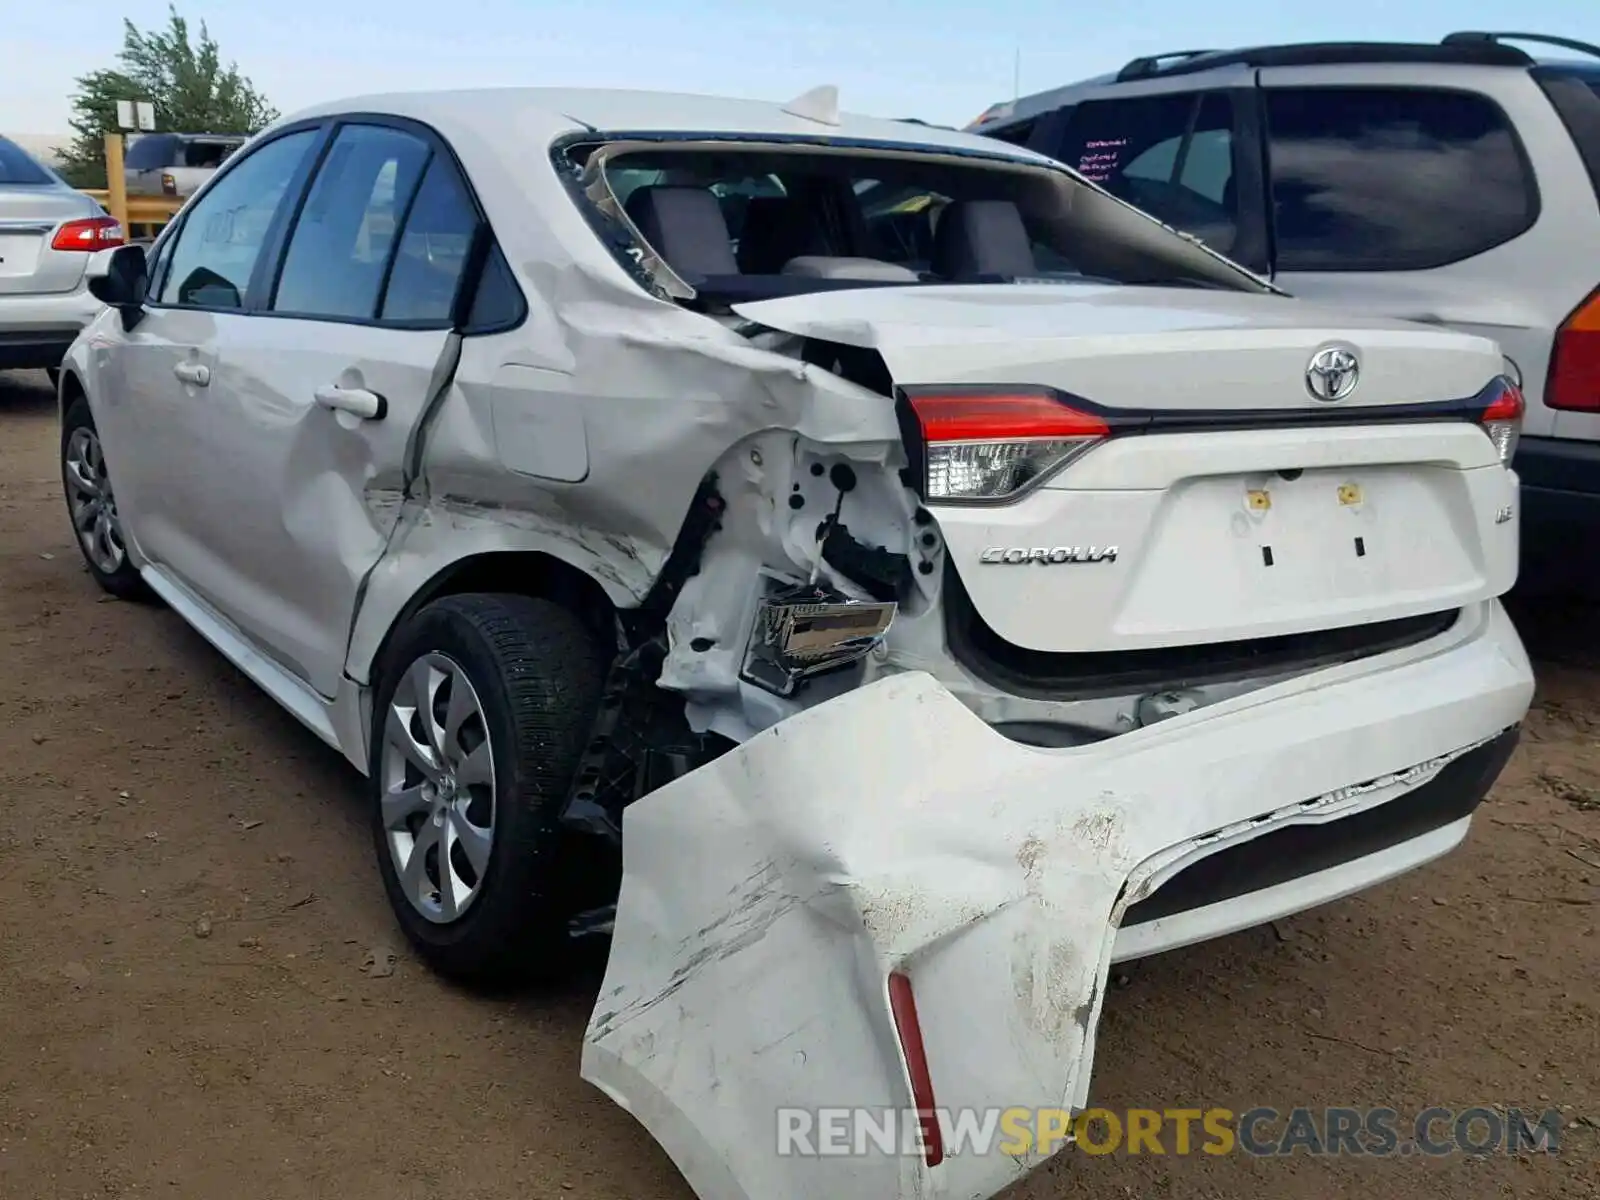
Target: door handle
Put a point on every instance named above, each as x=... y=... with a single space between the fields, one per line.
x=192 y=372
x=369 y=406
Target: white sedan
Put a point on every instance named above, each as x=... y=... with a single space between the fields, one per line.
x=869 y=571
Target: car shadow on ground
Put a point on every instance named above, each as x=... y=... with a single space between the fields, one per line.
x=25 y=393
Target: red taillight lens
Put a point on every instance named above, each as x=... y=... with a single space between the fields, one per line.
x=1574 y=382
x=992 y=445
x=1502 y=418
x=903 y=1005
x=91 y=233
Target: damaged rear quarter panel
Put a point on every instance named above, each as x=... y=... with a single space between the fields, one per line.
x=657 y=397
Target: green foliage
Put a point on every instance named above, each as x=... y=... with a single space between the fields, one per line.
x=186 y=81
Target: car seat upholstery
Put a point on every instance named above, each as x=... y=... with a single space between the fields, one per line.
x=816 y=266
x=977 y=238
x=686 y=227
x=777 y=229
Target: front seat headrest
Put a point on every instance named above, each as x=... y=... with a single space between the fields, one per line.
x=686 y=227
x=981 y=237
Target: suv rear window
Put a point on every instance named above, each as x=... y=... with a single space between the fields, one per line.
x=1392 y=179
x=17 y=168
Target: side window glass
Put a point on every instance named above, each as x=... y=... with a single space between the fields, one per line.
x=343 y=237
x=1169 y=155
x=1392 y=179
x=498 y=302
x=433 y=249
x=223 y=234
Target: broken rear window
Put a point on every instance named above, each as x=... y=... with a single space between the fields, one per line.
x=746 y=221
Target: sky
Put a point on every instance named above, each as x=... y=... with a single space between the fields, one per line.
x=935 y=59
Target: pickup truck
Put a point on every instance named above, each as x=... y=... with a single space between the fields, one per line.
x=175 y=164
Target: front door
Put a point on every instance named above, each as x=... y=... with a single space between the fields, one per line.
x=161 y=419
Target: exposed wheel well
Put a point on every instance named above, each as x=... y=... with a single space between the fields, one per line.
x=521 y=573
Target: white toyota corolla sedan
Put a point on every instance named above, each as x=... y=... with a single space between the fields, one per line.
x=868 y=571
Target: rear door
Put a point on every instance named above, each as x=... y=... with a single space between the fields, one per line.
x=1459 y=203
x=1184 y=149
x=322 y=386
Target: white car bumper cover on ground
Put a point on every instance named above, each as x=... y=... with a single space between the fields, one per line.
x=768 y=897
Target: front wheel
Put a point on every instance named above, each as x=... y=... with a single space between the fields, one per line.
x=92 y=505
x=480 y=719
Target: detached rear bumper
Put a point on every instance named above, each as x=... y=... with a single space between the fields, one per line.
x=768 y=896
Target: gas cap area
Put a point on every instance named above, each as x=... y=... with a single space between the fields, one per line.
x=1159 y=706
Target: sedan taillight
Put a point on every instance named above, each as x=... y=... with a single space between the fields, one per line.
x=1502 y=417
x=89 y=234
x=992 y=444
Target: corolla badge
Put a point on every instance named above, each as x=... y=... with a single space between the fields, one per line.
x=1333 y=373
x=1048 y=555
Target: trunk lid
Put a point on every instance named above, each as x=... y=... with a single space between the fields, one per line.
x=1231 y=505
x=29 y=216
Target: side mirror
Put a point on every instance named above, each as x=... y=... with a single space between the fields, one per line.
x=123 y=284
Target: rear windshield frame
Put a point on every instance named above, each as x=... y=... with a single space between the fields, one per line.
x=575 y=155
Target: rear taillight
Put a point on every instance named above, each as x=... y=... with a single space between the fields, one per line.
x=169 y=185
x=903 y=1006
x=1502 y=417
x=992 y=445
x=1574 y=382
x=91 y=233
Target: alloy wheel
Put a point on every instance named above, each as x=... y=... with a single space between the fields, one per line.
x=92 y=503
x=437 y=793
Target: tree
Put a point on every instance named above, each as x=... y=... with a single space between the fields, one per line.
x=185 y=81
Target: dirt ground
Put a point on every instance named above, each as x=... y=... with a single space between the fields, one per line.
x=188 y=904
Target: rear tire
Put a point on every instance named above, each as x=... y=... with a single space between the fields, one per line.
x=466 y=805
x=92 y=506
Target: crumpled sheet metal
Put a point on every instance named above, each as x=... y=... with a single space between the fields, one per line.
x=767 y=896
x=666 y=396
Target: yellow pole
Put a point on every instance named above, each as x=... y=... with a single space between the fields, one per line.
x=116 y=183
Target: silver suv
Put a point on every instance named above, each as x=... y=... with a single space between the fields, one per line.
x=1456 y=184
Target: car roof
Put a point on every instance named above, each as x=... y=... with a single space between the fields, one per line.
x=1456 y=50
x=549 y=113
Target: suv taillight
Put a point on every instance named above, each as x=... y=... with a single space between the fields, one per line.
x=1502 y=417
x=89 y=234
x=991 y=444
x=1574 y=382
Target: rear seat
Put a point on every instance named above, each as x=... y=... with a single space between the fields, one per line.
x=982 y=239
x=687 y=229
